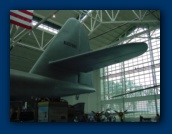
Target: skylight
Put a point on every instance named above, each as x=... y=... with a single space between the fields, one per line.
x=45 y=27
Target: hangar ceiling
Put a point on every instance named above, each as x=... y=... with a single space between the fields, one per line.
x=104 y=27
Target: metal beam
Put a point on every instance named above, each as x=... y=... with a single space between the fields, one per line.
x=49 y=42
x=137 y=21
x=13 y=44
x=150 y=38
x=88 y=14
x=130 y=37
x=108 y=15
x=140 y=13
x=86 y=26
x=94 y=21
x=42 y=41
x=116 y=15
x=94 y=29
x=20 y=33
x=99 y=14
x=17 y=29
x=136 y=14
x=36 y=39
x=133 y=99
x=11 y=28
x=144 y=14
x=154 y=15
x=135 y=91
x=28 y=46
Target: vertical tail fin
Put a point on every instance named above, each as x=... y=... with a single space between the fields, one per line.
x=71 y=40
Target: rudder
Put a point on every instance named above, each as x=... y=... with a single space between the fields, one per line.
x=71 y=40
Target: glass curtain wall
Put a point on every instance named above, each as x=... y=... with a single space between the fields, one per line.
x=134 y=85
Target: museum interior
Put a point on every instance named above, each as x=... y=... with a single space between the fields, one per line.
x=84 y=66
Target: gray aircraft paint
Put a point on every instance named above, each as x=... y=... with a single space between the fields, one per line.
x=71 y=40
x=65 y=67
x=23 y=86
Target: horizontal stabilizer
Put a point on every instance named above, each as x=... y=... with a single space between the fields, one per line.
x=100 y=58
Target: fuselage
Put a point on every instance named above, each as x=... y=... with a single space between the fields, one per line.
x=27 y=85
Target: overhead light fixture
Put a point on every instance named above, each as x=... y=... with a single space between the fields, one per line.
x=54 y=16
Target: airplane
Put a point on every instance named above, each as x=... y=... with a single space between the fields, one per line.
x=111 y=113
x=65 y=67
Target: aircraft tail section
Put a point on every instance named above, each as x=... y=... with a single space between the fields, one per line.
x=65 y=66
x=71 y=40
